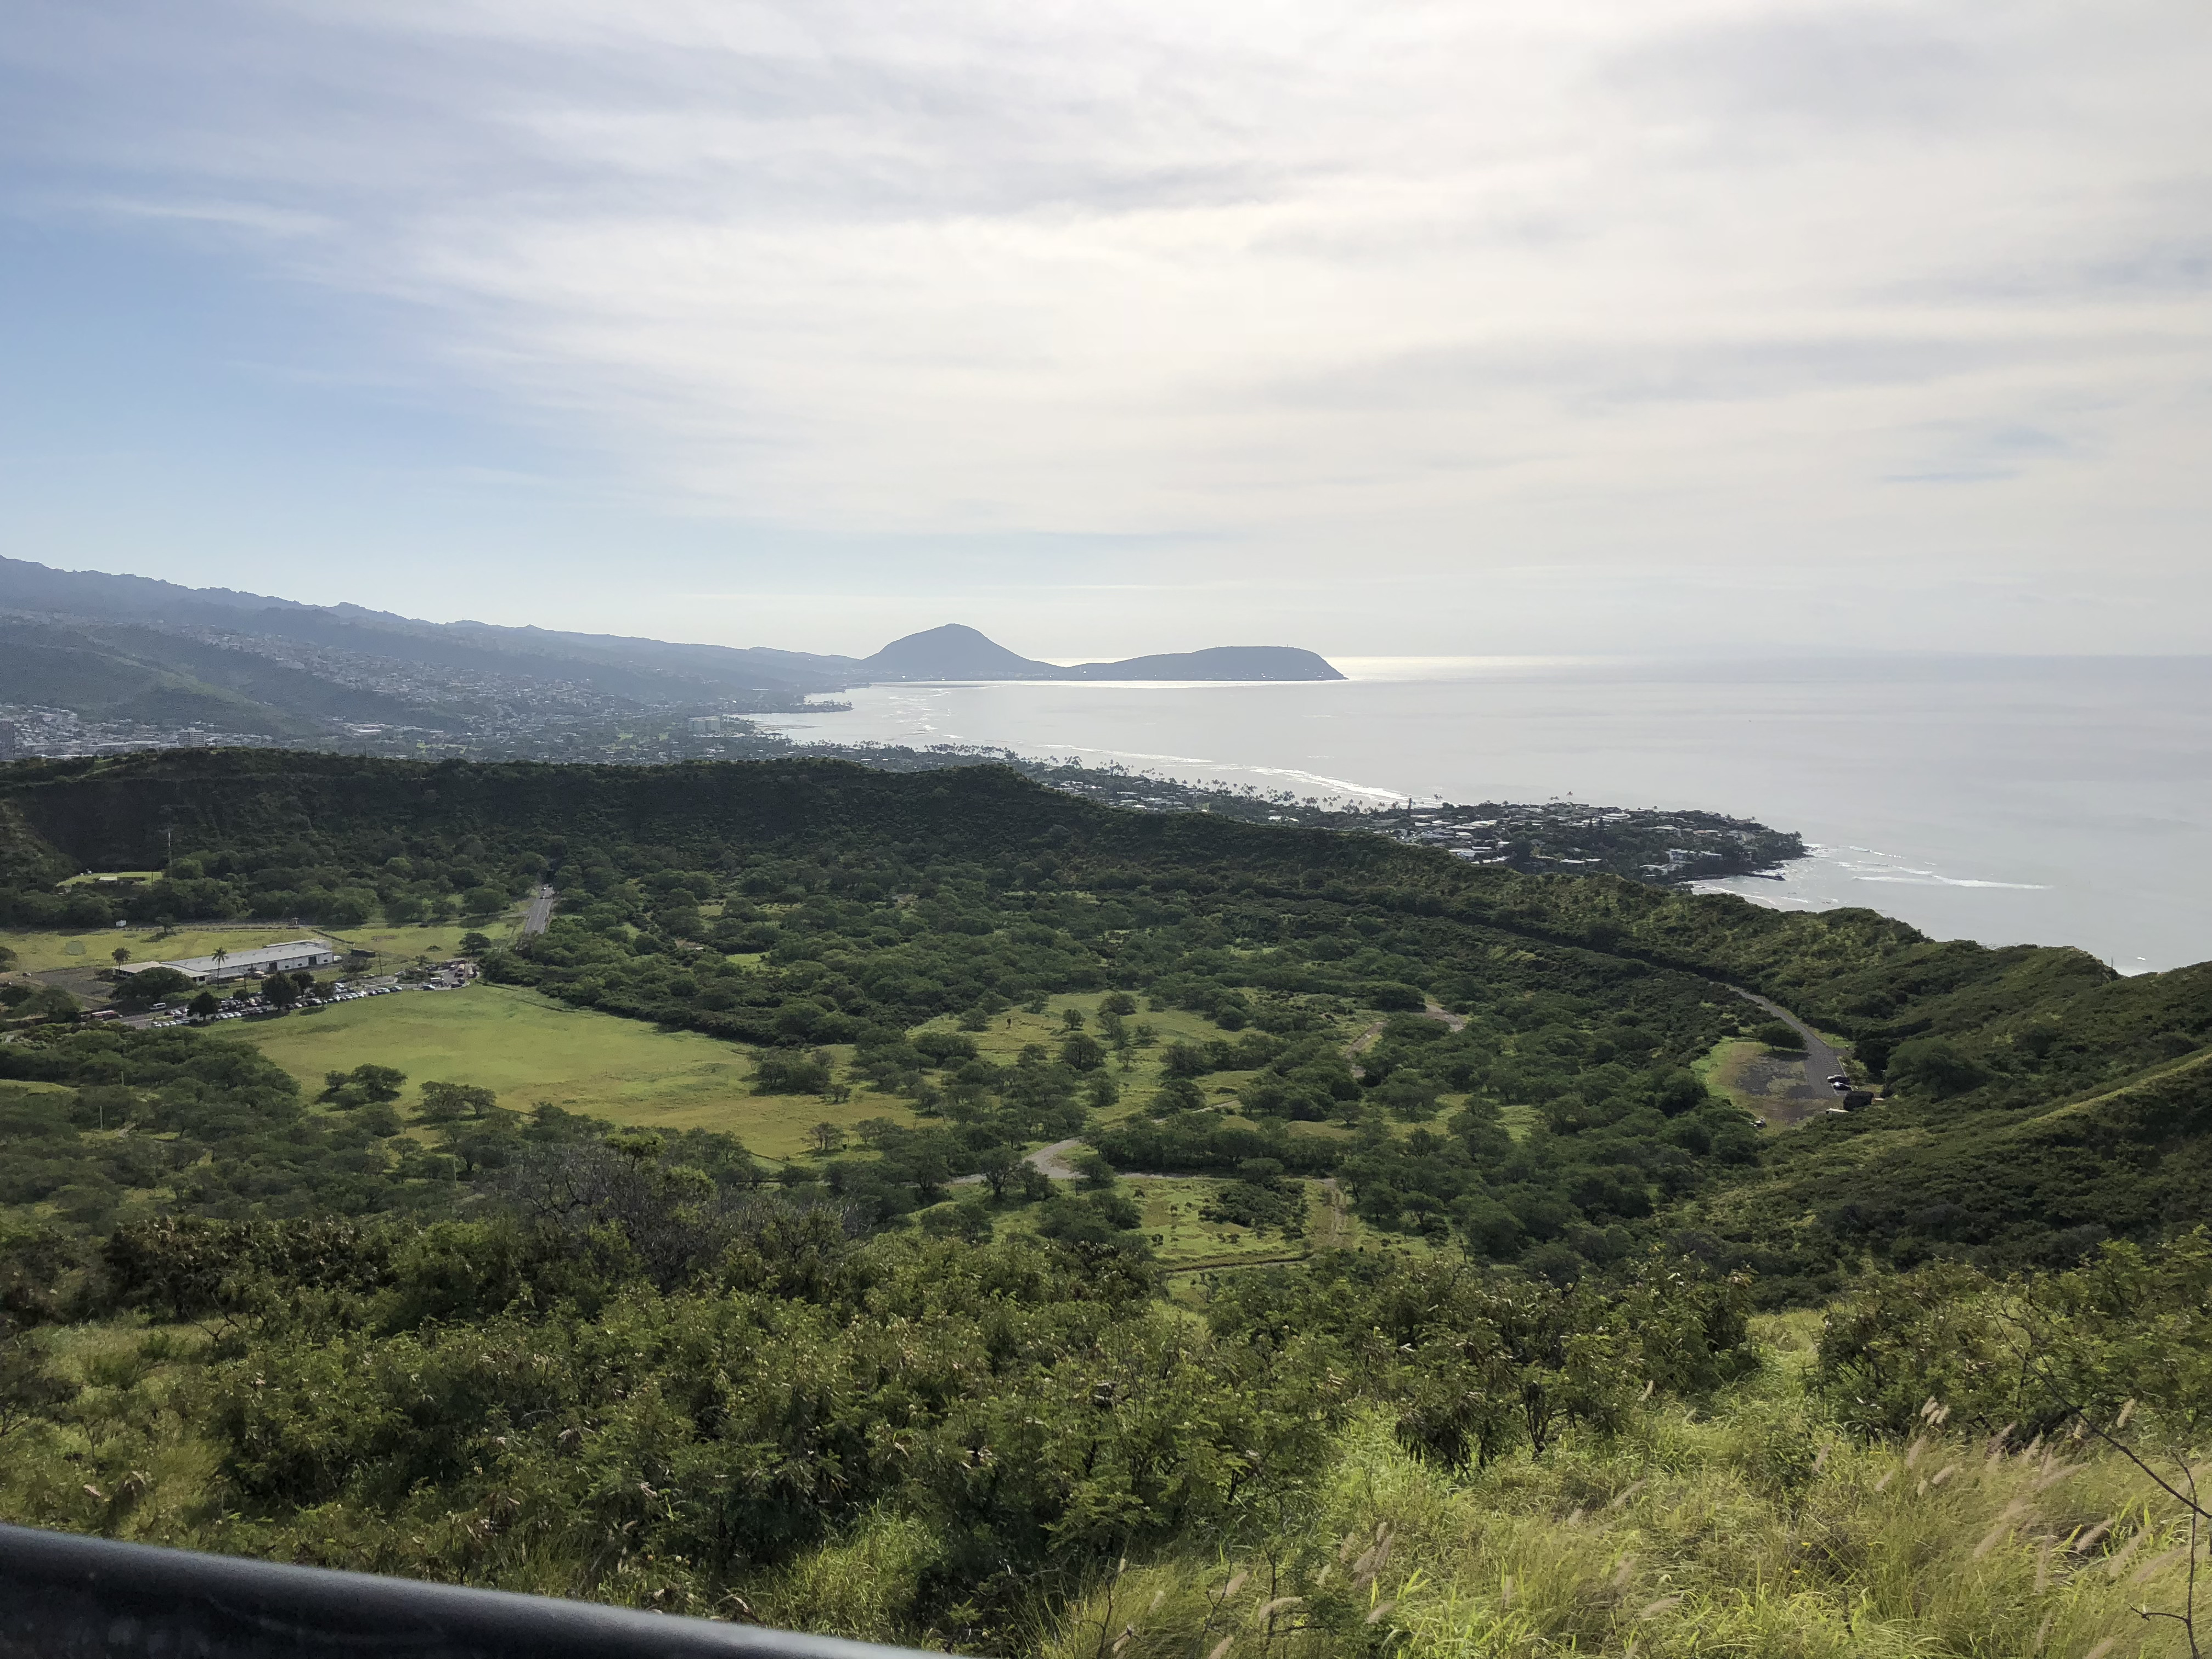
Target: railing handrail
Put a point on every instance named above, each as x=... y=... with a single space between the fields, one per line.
x=66 y=1596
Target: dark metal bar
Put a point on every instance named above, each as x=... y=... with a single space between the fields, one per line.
x=62 y=1596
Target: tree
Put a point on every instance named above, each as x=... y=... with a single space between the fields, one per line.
x=205 y=1005
x=1079 y=1051
x=1933 y=1066
x=827 y=1137
x=474 y=944
x=364 y=1085
x=53 y=1004
x=151 y=986
x=1177 y=1094
x=996 y=1163
x=780 y=1072
x=1117 y=1002
x=482 y=902
x=281 y=989
x=924 y=1165
x=121 y=953
x=1778 y=1034
x=453 y=1103
x=1072 y=1018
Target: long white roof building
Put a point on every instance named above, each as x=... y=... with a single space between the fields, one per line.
x=260 y=959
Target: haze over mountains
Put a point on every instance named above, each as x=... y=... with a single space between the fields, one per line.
x=131 y=649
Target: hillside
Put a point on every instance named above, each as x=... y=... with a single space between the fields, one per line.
x=2037 y=1059
x=146 y=664
x=734 y=1251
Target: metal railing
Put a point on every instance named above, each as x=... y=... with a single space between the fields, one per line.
x=62 y=1596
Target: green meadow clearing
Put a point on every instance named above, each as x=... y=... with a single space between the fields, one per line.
x=527 y=1048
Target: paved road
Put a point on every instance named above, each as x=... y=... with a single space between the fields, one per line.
x=1822 y=1062
x=540 y=911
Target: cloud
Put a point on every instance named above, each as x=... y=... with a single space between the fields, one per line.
x=1457 y=284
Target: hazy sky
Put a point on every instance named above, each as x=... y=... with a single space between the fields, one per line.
x=1128 y=324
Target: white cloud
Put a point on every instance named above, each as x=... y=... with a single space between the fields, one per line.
x=1429 y=286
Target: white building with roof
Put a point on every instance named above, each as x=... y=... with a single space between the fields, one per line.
x=287 y=957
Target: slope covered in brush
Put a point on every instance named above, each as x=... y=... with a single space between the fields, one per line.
x=789 y=905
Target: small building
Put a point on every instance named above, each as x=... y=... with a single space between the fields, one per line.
x=285 y=958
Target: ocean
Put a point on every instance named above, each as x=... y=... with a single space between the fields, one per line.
x=2011 y=800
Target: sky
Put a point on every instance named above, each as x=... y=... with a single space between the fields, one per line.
x=1128 y=326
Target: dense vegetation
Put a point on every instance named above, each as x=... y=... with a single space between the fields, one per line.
x=398 y=1325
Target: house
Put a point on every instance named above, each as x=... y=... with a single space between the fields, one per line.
x=284 y=959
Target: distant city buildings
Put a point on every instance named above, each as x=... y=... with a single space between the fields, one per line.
x=11 y=741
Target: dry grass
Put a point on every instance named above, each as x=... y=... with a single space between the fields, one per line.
x=1754 y=1532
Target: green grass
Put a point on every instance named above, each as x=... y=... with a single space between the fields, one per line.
x=528 y=1047
x=396 y=947
x=1749 y=1526
x=1014 y=1030
x=1722 y=1070
x=1172 y=1217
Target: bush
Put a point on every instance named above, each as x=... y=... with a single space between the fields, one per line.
x=780 y=1072
x=151 y=986
x=1933 y=1067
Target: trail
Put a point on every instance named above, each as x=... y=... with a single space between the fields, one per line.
x=1366 y=1039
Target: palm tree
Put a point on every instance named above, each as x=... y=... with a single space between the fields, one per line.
x=221 y=956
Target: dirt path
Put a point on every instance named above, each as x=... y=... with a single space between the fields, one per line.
x=1336 y=1230
x=1366 y=1039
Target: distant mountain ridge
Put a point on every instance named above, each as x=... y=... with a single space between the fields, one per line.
x=133 y=648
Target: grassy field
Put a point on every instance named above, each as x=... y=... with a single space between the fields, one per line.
x=528 y=1047
x=397 y=947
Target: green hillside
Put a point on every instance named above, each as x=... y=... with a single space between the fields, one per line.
x=933 y=1208
x=118 y=672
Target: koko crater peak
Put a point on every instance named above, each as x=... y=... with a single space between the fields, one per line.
x=956 y=652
